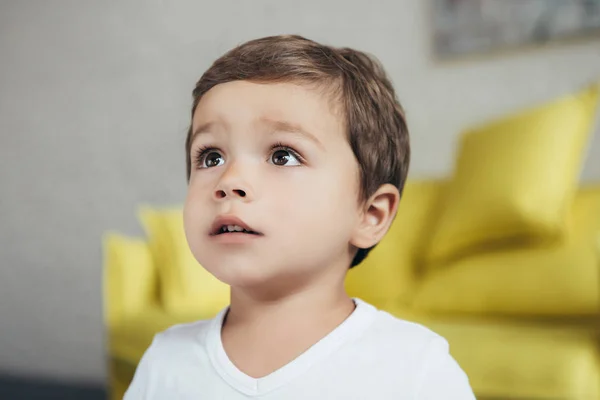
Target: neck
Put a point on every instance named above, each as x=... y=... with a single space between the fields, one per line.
x=323 y=303
x=266 y=329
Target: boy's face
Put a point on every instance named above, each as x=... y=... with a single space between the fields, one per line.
x=274 y=159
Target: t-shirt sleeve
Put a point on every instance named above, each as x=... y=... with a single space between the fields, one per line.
x=442 y=377
x=139 y=389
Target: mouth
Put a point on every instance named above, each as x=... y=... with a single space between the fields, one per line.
x=231 y=226
x=228 y=229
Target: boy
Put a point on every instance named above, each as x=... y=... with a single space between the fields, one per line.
x=297 y=155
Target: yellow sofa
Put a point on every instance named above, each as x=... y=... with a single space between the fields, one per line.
x=533 y=356
x=502 y=259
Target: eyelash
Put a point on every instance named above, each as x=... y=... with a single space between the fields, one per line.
x=202 y=151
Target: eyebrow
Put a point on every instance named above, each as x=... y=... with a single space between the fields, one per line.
x=273 y=124
x=203 y=128
x=289 y=127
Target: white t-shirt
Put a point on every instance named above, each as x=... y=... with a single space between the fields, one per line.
x=371 y=355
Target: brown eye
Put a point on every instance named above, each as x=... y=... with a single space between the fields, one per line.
x=280 y=157
x=283 y=157
x=212 y=159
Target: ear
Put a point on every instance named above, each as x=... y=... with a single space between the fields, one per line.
x=376 y=217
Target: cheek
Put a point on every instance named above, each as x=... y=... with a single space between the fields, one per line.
x=191 y=205
x=323 y=200
x=194 y=213
x=199 y=189
x=341 y=196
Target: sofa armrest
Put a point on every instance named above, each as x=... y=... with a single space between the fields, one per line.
x=129 y=277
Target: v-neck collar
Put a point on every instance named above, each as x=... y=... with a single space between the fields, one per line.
x=351 y=327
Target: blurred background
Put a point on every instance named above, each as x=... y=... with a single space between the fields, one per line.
x=94 y=106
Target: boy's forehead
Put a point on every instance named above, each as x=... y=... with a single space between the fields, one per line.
x=261 y=123
x=283 y=107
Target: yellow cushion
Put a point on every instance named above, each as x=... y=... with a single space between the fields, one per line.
x=586 y=213
x=510 y=363
x=515 y=178
x=129 y=277
x=186 y=287
x=541 y=280
x=388 y=272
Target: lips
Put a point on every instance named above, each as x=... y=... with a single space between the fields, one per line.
x=231 y=225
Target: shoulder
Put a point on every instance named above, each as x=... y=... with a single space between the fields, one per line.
x=186 y=331
x=411 y=350
x=178 y=342
x=401 y=334
x=183 y=335
x=174 y=355
x=394 y=339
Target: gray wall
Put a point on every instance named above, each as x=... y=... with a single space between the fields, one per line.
x=94 y=100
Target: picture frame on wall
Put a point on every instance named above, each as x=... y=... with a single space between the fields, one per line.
x=478 y=27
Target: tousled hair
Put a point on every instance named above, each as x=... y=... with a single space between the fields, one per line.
x=359 y=87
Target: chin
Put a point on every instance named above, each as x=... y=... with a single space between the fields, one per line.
x=238 y=273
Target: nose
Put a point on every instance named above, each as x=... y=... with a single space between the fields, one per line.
x=222 y=193
x=233 y=185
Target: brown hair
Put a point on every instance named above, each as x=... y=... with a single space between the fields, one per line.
x=374 y=118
